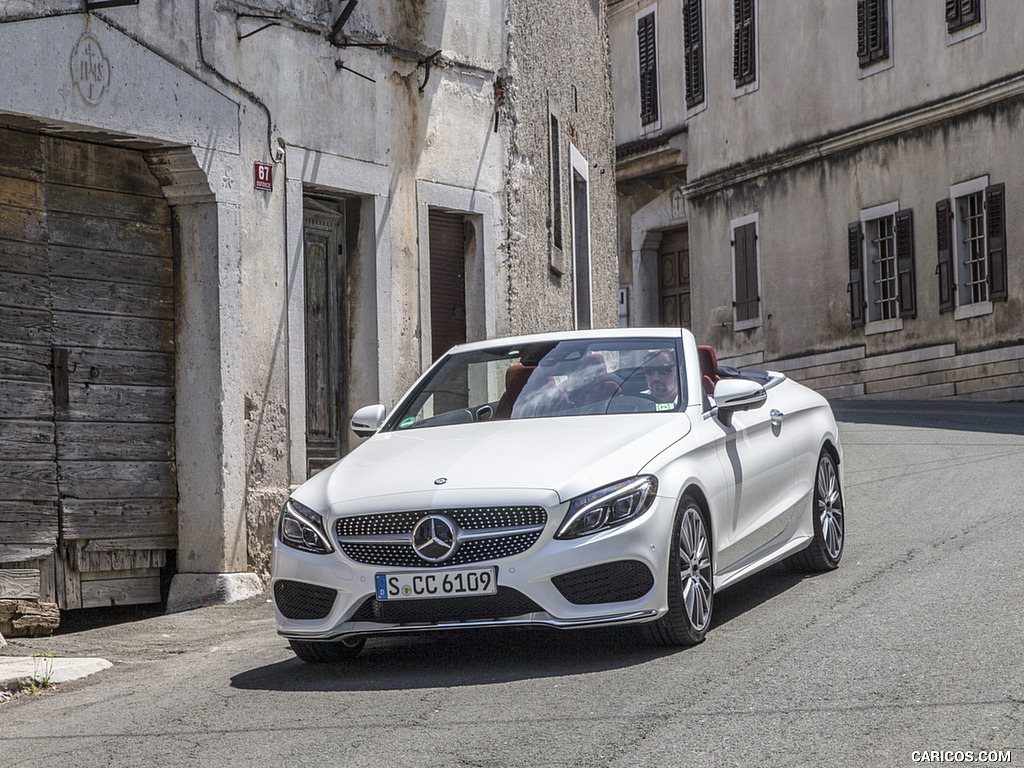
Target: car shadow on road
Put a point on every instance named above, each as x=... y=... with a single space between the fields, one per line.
x=488 y=656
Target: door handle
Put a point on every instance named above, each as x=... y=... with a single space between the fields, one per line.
x=777 y=417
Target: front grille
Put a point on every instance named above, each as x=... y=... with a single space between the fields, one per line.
x=506 y=603
x=303 y=602
x=616 y=582
x=503 y=543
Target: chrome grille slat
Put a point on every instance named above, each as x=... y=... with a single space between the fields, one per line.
x=486 y=533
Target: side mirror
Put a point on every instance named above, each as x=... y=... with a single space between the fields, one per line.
x=368 y=419
x=733 y=395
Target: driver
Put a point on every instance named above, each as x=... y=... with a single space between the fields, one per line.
x=662 y=373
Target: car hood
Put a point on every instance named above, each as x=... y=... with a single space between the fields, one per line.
x=565 y=456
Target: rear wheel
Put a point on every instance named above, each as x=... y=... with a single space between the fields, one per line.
x=826 y=548
x=690 y=588
x=325 y=653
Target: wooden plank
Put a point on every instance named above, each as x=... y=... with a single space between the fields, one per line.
x=47 y=582
x=148 y=542
x=19 y=584
x=25 y=361
x=27 y=480
x=27 y=522
x=24 y=290
x=99 y=166
x=86 y=519
x=112 y=332
x=110 y=441
x=28 y=258
x=23 y=154
x=26 y=400
x=22 y=225
x=117 y=479
x=24 y=553
x=135 y=573
x=116 y=366
x=73 y=261
x=27 y=441
x=103 y=203
x=109 y=297
x=116 y=403
x=26 y=326
x=26 y=194
x=69 y=586
x=130 y=591
x=131 y=237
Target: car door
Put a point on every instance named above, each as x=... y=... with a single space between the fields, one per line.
x=756 y=451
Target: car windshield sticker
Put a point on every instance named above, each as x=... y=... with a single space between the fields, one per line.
x=407 y=422
x=664 y=406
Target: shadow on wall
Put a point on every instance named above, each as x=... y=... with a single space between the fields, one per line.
x=996 y=418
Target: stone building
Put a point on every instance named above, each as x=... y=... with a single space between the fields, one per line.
x=226 y=225
x=850 y=181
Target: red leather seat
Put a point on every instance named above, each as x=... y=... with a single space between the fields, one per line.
x=708 y=367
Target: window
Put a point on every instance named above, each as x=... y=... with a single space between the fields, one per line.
x=647 y=52
x=882 y=284
x=693 y=52
x=873 y=35
x=581 y=270
x=744 y=45
x=971 y=238
x=962 y=13
x=746 y=274
x=964 y=18
x=555 y=200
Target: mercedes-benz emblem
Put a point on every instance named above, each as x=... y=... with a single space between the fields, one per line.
x=435 y=538
x=441 y=481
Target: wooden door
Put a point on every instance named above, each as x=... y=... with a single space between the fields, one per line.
x=674 y=279
x=94 y=377
x=326 y=434
x=447 y=237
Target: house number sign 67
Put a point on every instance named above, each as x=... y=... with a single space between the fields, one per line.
x=263 y=176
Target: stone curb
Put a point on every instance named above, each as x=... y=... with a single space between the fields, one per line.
x=18 y=672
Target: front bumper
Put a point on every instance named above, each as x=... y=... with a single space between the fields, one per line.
x=613 y=577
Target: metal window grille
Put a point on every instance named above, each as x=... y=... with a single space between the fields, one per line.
x=975 y=257
x=885 y=278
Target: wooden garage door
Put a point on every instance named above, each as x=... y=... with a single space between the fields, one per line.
x=87 y=495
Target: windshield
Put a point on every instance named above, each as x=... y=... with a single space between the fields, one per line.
x=565 y=378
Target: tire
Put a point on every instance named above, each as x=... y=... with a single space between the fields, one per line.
x=327 y=653
x=691 y=592
x=828 y=513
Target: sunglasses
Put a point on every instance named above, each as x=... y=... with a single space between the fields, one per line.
x=659 y=370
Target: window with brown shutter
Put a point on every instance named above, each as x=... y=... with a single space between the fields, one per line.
x=995 y=225
x=906 y=280
x=856 y=285
x=883 y=283
x=946 y=269
x=648 y=60
x=872 y=31
x=693 y=52
x=744 y=42
x=962 y=13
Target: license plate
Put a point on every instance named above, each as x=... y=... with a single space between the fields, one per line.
x=420 y=586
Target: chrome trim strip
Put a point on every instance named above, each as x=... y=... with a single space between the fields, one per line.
x=366 y=628
x=462 y=534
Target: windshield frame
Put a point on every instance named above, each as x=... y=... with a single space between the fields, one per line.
x=553 y=355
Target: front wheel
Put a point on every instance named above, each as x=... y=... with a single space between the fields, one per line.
x=326 y=653
x=690 y=587
x=826 y=548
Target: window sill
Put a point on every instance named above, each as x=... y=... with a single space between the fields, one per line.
x=874 y=68
x=977 y=309
x=883 y=326
x=745 y=325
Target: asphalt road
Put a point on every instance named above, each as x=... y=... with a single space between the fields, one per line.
x=916 y=644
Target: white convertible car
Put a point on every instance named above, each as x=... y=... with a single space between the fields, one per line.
x=562 y=480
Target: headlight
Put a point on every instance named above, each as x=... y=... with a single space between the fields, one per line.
x=608 y=507
x=303 y=528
